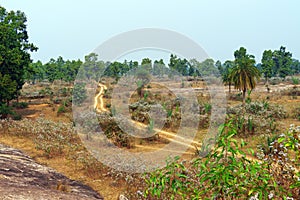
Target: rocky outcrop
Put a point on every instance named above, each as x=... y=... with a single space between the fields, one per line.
x=22 y=178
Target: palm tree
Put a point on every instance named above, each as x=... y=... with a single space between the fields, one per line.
x=244 y=74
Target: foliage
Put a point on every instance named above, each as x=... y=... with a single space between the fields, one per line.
x=256 y=117
x=50 y=137
x=14 y=53
x=79 y=93
x=267 y=64
x=282 y=153
x=61 y=109
x=20 y=105
x=244 y=74
x=8 y=88
x=295 y=80
x=5 y=111
x=225 y=71
x=225 y=173
x=283 y=62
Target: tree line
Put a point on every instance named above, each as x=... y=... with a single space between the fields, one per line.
x=16 y=66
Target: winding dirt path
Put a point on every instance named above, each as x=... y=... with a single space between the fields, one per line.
x=98 y=103
x=170 y=136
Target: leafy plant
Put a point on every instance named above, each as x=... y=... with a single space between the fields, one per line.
x=5 y=111
x=225 y=173
x=20 y=105
x=295 y=81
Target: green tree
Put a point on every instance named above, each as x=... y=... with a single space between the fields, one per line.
x=147 y=64
x=267 y=64
x=35 y=72
x=159 y=67
x=283 y=62
x=92 y=68
x=182 y=66
x=79 y=93
x=244 y=74
x=295 y=66
x=14 y=52
x=226 y=73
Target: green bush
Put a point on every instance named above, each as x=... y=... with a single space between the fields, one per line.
x=61 y=109
x=5 y=111
x=16 y=116
x=20 y=105
x=225 y=173
x=79 y=93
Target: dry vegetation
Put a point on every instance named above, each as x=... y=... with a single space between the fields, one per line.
x=46 y=133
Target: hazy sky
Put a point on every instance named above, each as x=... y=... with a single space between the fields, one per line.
x=74 y=28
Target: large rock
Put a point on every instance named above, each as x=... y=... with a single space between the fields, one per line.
x=23 y=178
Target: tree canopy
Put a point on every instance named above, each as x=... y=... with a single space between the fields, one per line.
x=244 y=74
x=14 y=53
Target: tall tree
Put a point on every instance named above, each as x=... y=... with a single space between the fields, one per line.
x=283 y=62
x=159 y=67
x=267 y=64
x=147 y=64
x=295 y=66
x=14 y=52
x=226 y=73
x=244 y=73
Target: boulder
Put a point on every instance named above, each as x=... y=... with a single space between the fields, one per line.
x=22 y=178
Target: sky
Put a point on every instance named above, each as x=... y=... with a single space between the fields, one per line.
x=73 y=28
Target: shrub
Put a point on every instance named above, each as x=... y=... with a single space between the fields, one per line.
x=225 y=173
x=282 y=153
x=20 y=105
x=16 y=116
x=258 y=117
x=5 y=111
x=79 y=93
x=61 y=109
x=295 y=80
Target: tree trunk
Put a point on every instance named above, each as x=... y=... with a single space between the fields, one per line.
x=229 y=88
x=244 y=97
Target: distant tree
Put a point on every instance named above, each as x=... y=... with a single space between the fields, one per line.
x=79 y=93
x=114 y=70
x=295 y=67
x=35 y=72
x=267 y=64
x=159 y=67
x=92 y=68
x=52 y=72
x=14 y=53
x=218 y=65
x=179 y=65
x=71 y=69
x=133 y=65
x=283 y=62
x=244 y=74
x=226 y=73
x=147 y=64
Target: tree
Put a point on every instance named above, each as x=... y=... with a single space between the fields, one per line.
x=244 y=74
x=295 y=66
x=147 y=64
x=283 y=62
x=267 y=64
x=92 y=69
x=14 y=53
x=226 y=73
x=35 y=72
x=159 y=67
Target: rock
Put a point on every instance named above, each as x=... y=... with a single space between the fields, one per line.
x=22 y=178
